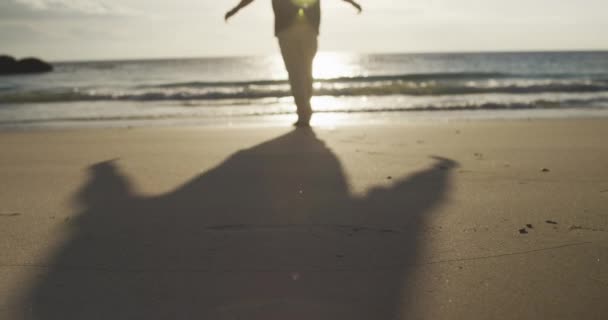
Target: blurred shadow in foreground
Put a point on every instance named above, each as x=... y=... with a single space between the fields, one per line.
x=271 y=233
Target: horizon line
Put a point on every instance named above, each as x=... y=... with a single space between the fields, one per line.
x=236 y=56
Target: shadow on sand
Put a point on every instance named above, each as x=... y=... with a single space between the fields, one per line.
x=271 y=233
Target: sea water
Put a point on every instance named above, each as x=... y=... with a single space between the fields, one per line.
x=362 y=85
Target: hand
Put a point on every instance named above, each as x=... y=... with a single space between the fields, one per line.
x=230 y=13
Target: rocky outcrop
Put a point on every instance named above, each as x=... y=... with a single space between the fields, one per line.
x=9 y=65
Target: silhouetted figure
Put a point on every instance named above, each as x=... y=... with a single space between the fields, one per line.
x=272 y=232
x=297 y=27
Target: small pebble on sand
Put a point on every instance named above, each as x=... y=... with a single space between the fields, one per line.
x=544 y=170
x=551 y=222
x=523 y=231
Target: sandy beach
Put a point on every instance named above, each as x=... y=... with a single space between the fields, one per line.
x=429 y=220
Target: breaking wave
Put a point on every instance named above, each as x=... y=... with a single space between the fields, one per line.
x=431 y=84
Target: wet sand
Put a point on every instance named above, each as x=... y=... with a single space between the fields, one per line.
x=426 y=220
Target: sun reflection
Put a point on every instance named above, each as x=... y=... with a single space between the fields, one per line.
x=333 y=65
x=327 y=65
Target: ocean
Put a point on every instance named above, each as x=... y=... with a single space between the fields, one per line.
x=242 y=89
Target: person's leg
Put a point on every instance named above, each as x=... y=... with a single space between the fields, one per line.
x=299 y=87
x=308 y=42
x=311 y=52
x=298 y=51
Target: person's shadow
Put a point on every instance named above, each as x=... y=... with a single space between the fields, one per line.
x=271 y=233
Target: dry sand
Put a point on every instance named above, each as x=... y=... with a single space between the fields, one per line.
x=356 y=222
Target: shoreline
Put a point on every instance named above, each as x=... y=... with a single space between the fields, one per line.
x=320 y=119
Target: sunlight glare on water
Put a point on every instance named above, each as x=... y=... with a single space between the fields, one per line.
x=329 y=65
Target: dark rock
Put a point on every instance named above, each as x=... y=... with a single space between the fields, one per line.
x=34 y=65
x=551 y=222
x=523 y=231
x=6 y=62
x=530 y=226
x=545 y=170
x=9 y=65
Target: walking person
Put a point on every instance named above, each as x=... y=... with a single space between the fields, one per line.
x=296 y=28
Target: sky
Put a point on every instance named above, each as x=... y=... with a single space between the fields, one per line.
x=130 y=29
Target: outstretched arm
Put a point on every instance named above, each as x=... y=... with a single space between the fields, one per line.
x=354 y=4
x=236 y=9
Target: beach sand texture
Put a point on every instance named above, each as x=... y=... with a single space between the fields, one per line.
x=458 y=220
